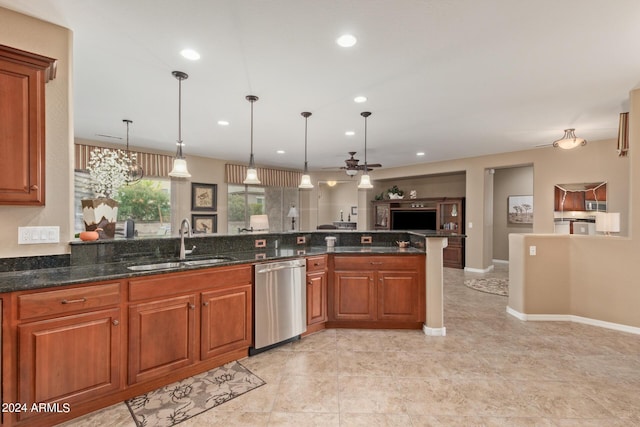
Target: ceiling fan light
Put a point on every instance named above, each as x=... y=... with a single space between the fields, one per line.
x=569 y=140
x=365 y=182
x=352 y=172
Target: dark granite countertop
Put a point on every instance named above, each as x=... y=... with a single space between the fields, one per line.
x=52 y=277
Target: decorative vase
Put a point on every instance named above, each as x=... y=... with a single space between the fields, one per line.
x=100 y=213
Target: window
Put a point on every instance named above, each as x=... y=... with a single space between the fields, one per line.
x=147 y=202
x=245 y=200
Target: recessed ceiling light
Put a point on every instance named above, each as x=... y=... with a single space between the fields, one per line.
x=223 y=123
x=280 y=151
x=190 y=54
x=349 y=133
x=420 y=153
x=346 y=40
x=360 y=99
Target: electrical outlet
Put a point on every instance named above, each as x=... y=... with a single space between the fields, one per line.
x=301 y=240
x=365 y=240
x=261 y=256
x=37 y=235
x=261 y=243
x=532 y=251
x=470 y=225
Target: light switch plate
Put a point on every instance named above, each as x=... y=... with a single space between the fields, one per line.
x=38 y=235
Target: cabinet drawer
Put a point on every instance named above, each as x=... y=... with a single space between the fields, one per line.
x=356 y=262
x=50 y=303
x=316 y=263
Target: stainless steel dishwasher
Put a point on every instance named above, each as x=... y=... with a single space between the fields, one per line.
x=280 y=303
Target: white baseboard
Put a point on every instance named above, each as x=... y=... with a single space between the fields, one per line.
x=478 y=270
x=572 y=318
x=500 y=261
x=434 y=332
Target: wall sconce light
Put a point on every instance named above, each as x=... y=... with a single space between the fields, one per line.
x=180 y=163
x=569 y=140
x=252 y=172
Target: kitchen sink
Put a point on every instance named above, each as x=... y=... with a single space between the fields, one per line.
x=209 y=261
x=157 y=266
x=178 y=264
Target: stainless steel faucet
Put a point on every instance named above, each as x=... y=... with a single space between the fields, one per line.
x=185 y=222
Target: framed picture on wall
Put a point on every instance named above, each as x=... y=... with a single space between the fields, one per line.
x=520 y=210
x=204 y=224
x=204 y=197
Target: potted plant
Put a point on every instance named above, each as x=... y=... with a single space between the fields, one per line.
x=108 y=170
x=395 y=193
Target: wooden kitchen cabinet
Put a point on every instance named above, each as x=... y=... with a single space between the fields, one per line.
x=22 y=135
x=377 y=291
x=181 y=320
x=69 y=345
x=227 y=320
x=161 y=337
x=316 y=290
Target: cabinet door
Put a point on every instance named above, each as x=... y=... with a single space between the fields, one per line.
x=161 y=337
x=316 y=297
x=226 y=321
x=450 y=216
x=69 y=359
x=354 y=296
x=398 y=296
x=22 y=136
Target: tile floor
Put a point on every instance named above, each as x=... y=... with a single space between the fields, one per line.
x=490 y=370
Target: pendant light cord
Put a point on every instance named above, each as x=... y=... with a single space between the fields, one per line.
x=179 y=118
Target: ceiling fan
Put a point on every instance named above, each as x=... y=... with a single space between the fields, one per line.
x=352 y=167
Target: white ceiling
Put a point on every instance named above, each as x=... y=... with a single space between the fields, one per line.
x=452 y=78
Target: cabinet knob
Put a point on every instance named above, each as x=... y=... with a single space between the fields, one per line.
x=115 y=322
x=192 y=306
x=206 y=303
x=34 y=187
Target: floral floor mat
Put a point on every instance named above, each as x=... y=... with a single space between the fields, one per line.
x=491 y=285
x=177 y=402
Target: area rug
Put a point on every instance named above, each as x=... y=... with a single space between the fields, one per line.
x=491 y=285
x=177 y=402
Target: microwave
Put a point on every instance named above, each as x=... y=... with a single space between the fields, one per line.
x=592 y=205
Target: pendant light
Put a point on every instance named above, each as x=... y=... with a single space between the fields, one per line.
x=569 y=140
x=252 y=172
x=305 y=181
x=135 y=170
x=365 y=181
x=179 y=163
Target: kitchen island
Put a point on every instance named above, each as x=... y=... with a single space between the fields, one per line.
x=96 y=332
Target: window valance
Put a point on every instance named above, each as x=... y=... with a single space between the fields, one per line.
x=154 y=165
x=235 y=174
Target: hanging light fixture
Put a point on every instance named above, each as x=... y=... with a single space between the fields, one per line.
x=135 y=170
x=179 y=163
x=365 y=181
x=569 y=140
x=252 y=172
x=305 y=181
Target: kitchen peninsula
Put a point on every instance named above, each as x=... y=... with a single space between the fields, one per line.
x=205 y=303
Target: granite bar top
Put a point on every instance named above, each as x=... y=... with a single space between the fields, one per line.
x=51 y=277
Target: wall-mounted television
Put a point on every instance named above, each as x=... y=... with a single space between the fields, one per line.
x=413 y=220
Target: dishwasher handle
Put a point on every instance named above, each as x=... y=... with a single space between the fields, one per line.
x=281 y=266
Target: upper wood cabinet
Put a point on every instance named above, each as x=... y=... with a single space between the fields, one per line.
x=22 y=134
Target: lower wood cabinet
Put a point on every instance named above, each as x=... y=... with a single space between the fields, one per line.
x=69 y=359
x=227 y=320
x=453 y=254
x=161 y=337
x=377 y=291
x=316 y=290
